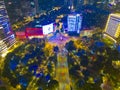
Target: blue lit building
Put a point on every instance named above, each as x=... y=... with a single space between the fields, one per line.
x=7 y=38
x=74 y=23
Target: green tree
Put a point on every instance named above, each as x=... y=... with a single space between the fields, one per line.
x=53 y=85
x=118 y=40
x=70 y=46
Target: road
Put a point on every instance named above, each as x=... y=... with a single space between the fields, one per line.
x=62 y=71
x=32 y=84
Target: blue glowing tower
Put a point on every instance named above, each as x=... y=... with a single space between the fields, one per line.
x=7 y=38
x=74 y=23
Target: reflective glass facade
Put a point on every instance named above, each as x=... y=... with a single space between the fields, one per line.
x=7 y=38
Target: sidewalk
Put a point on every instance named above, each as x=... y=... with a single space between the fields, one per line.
x=62 y=71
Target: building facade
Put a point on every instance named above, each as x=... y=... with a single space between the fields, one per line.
x=7 y=38
x=112 y=29
x=74 y=23
x=18 y=9
x=29 y=8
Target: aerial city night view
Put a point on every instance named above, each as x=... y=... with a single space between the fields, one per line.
x=59 y=44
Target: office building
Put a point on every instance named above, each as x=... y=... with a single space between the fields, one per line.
x=74 y=23
x=112 y=29
x=7 y=38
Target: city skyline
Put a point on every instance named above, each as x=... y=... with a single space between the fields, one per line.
x=59 y=45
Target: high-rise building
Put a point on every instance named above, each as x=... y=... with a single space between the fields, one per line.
x=17 y=9
x=28 y=8
x=74 y=23
x=36 y=6
x=86 y=2
x=112 y=29
x=32 y=7
x=114 y=2
x=66 y=2
x=7 y=38
x=69 y=3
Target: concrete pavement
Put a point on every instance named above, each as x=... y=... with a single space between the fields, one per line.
x=62 y=72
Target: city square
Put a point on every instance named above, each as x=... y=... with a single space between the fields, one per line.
x=59 y=45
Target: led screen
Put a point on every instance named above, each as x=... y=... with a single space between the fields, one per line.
x=34 y=31
x=47 y=29
x=21 y=35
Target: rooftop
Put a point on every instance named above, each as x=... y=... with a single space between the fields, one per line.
x=115 y=14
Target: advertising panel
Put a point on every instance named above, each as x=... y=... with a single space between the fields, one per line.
x=21 y=35
x=47 y=29
x=34 y=31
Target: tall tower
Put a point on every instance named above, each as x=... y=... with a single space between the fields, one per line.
x=36 y=6
x=74 y=24
x=7 y=38
x=65 y=2
x=86 y=2
x=69 y=3
x=29 y=7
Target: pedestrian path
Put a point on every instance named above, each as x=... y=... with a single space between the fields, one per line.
x=62 y=72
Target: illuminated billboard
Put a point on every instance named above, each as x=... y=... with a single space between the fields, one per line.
x=34 y=31
x=47 y=29
x=20 y=35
